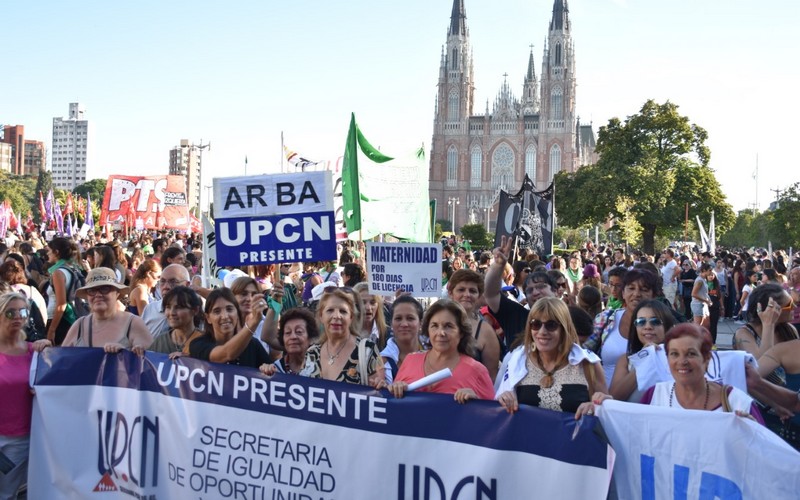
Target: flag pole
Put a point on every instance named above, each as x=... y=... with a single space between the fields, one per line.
x=282 y=151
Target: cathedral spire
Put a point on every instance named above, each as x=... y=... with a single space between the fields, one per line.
x=560 y=20
x=458 y=19
x=531 y=73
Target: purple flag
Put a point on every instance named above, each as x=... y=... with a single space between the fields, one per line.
x=89 y=219
x=59 y=218
x=68 y=229
x=48 y=207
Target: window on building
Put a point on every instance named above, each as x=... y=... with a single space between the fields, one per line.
x=503 y=167
x=452 y=106
x=475 y=166
x=557 y=104
x=558 y=54
x=452 y=166
x=555 y=160
x=454 y=60
x=530 y=162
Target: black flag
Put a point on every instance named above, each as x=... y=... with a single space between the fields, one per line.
x=529 y=216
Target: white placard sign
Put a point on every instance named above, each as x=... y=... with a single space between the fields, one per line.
x=415 y=268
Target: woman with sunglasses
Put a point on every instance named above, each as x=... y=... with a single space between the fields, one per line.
x=652 y=320
x=15 y=411
x=550 y=370
x=106 y=326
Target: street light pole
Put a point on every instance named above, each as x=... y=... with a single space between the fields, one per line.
x=489 y=210
x=453 y=201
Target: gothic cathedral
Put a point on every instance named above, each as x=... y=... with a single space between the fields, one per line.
x=474 y=156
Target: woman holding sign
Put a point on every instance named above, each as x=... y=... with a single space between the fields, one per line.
x=447 y=325
x=688 y=349
x=15 y=411
x=341 y=355
x=550 y=370
x=227 y=340
x=466 y=288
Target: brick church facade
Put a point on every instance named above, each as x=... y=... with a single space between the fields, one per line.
x=474 y=156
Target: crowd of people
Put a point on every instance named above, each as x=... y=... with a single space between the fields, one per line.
x=556 y=332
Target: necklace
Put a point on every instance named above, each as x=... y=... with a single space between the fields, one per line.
x=547 y=380
x=332 y=358
x=672 y=393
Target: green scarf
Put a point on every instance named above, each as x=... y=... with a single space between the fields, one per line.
x=59 y=263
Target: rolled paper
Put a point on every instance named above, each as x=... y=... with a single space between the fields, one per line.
x=430 y=379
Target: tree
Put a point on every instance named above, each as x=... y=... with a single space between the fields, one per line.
x=18 y=190
x=476 y=233
x=95 y=187
x=785 y=224
x=44 y=183
x=650 y=167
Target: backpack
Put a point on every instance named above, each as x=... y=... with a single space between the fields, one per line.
x=79 y=306
x=34 y=328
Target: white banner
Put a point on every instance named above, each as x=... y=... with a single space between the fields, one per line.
x=130 y=427
x=691 y=454
x=274 y=194
x=415 y=268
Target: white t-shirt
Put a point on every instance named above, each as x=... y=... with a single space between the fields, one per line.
x=614 y=346
x=668 y=272
x=749 y=289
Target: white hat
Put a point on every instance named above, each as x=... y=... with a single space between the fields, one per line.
x=229 y=278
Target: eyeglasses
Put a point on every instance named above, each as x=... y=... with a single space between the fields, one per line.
x=22 y=312
x=526 y=270
x=550 y=325
x=333 y=288
x=537 y=286
x=640 y=322
x=286 y=265
x=99 y=290
x=172 y=282
x=789 y=306
x=562 y=284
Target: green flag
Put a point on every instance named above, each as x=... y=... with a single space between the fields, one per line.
x=351 y=194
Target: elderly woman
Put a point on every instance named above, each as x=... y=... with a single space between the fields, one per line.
x=550 y=370
x=107 y=326
x=227 y=338
x=466 y=288
x=297 y=330
x=342 y=355
x=406 y=326
x=652 y=319
x=144 y=280
x=374 y=325
x=15 y=411
x=612 y=326
x=688 y=352
x=447 y=325
x=182 y=308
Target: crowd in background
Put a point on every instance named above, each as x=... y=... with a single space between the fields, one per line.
x=554 y=331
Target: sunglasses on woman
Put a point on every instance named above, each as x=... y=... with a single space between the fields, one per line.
x=550 y=325
x=640 y=322
x=16 y=313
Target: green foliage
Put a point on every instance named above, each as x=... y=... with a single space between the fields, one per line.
x=785 y=224
x=650 y=167
x=445 y=224
x=478 y=235
x=19 y=191
x=44 y=183
x=437 y=232
x=95 y=187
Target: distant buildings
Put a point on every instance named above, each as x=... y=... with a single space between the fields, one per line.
x=20 y=156
x=70 y=148
x=184 y=160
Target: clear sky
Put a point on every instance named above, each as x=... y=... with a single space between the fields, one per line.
x=237 y=73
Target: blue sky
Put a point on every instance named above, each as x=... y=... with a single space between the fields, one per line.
x=237 y=73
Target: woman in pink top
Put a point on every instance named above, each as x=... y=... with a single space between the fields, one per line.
x=452 y=344
x=15 y=410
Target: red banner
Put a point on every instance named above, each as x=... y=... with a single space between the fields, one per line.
x=153 y=201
